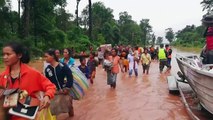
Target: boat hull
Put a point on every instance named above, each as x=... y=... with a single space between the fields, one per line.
x=200 y=80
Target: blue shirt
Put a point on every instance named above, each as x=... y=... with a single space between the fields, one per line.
x=70 y=63
x=84 y=70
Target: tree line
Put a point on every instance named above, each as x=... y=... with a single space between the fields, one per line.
x=44 y=24
x=191 y=35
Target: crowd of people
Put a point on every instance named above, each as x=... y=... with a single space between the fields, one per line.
x=57 y=78
x=130 y=58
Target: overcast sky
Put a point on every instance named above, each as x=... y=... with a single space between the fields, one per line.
x=162 y=13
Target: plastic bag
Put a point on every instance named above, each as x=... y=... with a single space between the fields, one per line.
x=45 y=114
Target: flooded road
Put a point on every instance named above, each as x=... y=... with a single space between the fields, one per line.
x=145 y=97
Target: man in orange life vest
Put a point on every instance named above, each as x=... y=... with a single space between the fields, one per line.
x=169 y=54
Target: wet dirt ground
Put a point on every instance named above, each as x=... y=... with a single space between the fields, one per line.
x=145 y=97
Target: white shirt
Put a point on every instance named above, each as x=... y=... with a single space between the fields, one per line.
x=131 y=62
x=100 y=55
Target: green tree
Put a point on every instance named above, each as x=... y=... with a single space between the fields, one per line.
x=8 y=21
x=190 y=36
x=124 y=23
x=159 y=40
x=102 y=19
x=2 y=3
x=153 y=39
x=146 y=30
x=107 y=32
x=116 y=35
x=169 y=34
x=63 y=19
x=207 y=5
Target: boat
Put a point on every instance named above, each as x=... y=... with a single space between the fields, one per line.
x=200 y=77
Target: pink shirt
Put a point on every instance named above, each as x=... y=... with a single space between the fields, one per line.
x=115 y=68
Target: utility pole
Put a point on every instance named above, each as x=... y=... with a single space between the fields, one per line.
x=90 y=20
x=76 y=12
x=19 y=18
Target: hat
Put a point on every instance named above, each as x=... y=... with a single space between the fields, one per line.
x=207 y=19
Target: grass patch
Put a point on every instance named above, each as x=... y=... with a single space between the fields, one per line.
x=189 y=49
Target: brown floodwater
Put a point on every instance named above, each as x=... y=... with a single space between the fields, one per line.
x=145 y=97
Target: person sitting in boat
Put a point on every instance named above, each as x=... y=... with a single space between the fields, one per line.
x=162 y=56
x=208 y=22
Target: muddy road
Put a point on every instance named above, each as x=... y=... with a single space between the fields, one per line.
x=145 y=97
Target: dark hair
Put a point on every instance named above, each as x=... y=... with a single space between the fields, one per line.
x=69 y=51
x=116 y=51
x=92 y=53
x=107 y=52
x=161 y=45
x=167 y=45
x=145 y=48
x=51 y=52
x=18 y=48
x=81 y=59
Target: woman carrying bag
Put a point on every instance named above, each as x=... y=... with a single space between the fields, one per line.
x=18 y=75
x=61 y=75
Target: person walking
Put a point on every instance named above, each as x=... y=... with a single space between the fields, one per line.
x=169 y=54
x=61 y=75
x=100 y=56
x=124 y=60
x=19 y=75
x=83 y=68
x=115 y=59
x=133 y=64
x=92 y=64
x=162 y=56
x=146 y=61
x=67 y=57
x=107 y=65
x=58 y=54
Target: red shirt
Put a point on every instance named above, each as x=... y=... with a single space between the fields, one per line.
x=209 y=42
x=30 y=80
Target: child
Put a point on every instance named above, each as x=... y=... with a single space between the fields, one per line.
x=84 y=69
x=92 y=63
